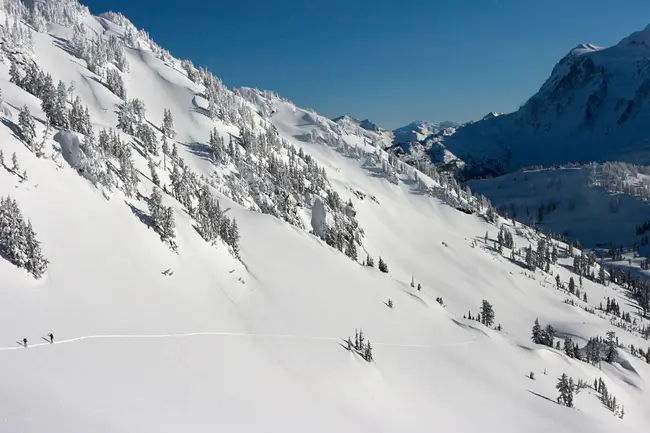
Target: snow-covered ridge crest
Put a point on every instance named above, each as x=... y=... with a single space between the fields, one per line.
x=593 y=107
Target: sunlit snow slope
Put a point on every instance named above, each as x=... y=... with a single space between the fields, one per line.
x=219 y=344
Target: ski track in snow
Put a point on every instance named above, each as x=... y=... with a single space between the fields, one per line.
x=224 y=334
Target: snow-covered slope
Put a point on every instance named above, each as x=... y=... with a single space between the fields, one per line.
x=375 y=134
x=579 y=202
x=593 y=107
x=202 y=337
x=419 y=130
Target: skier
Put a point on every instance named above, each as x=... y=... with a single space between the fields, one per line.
x=25 y=342
x=51 y=338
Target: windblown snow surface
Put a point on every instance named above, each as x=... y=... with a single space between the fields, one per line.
x=255 y=346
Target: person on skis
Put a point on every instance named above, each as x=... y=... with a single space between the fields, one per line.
x=51 y=338
x=25 y=342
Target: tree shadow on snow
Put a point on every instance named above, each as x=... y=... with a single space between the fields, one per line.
x=143 y=217
x=469 y=327
x=543 y=396
x=200 y=150
x=15 y=131
x=64 y=45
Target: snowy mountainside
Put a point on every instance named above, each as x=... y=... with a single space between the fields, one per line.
x=420 y=129
x=593 y=107
x=375 y=134
x=206 y=263
x=586 y=203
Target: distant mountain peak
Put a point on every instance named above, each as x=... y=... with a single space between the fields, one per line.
x=637 y=39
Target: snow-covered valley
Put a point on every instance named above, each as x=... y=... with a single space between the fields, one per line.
x=168 y=316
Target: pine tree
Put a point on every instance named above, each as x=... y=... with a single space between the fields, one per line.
x=549 y=335
x=14 y=161
x=368 y=352
x=156 y=210
x=369 y=261
x=565 y=387
x=487 y=313
x=168 y=124
x=36 y=264
x=115 y=83
x=168 y=233
x=537 y=332
x=27 y=126
x=165 y=151
x=568 y=347
x=154 y=174
x=14 y=74
x=611 y=353
x=351 y=249
x=383 y=267
x=234 y=238
x=572 y=286
x=18 y=241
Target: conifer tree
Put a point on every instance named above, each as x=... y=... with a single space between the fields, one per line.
x=572 y=286
x=165 y=151
x=154 y=174
x=18 y=241
x=569 y=350
x=368 y=352
x=36 y=264
x=383 y=267
x=611 y=353
x=351 y=249
x=537 y=332
x=487 y=313
x=115 y=83
x=234 y=238
x=549 y=335
x=14 y=162
x=566 y=388
x=27 y=126
x=168 y=124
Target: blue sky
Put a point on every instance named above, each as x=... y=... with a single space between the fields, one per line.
x=390 y=61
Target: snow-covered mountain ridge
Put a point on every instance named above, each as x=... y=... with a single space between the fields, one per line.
x=208 y=257
x=593 y=107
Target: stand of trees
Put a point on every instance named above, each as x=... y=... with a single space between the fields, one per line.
x=18 y=243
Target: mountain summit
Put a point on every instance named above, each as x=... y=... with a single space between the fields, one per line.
x=594 y=107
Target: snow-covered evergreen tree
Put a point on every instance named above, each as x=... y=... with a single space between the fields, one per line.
x=611 y=352
x=152 y=170
x=27 y=126
x=487 y=313
x=566 y=389
x=537 y=332
x=115 y=83
x=18 y=241
x=15 y=167
x=147 y=135
x=168 y=124
x=382 y=265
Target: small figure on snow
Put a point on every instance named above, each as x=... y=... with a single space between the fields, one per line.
x=25 y=342
x=51 y=338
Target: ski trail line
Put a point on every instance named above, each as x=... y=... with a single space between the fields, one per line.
x=222 y=334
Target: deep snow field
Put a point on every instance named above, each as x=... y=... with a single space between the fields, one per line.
x=256 y=345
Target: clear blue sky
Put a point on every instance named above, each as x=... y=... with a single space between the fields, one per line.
x=390 y=61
